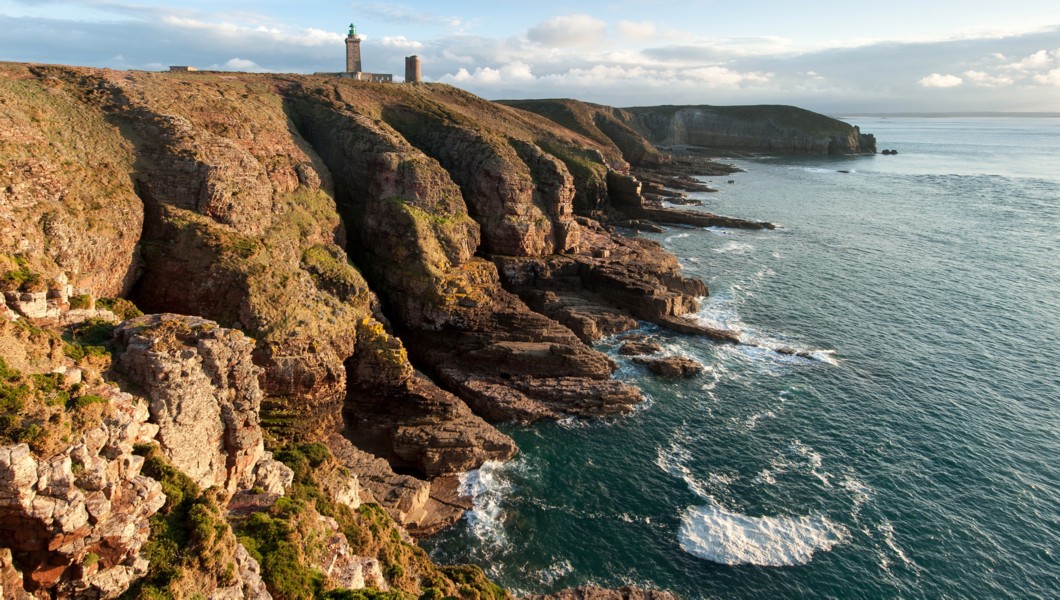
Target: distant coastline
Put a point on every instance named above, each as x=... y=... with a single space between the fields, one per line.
x=950 y=115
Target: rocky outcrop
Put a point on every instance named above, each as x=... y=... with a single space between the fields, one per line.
x=506 y=361
x=520 y=196
x=783 y=129
x=597 y=593
x=634 y=277
x=671 y=367
x=204 y=398
x=61 y=156
x=379 y=268
x=628 y=199
x=639 y=347
x=75 y=522
x=344 y=568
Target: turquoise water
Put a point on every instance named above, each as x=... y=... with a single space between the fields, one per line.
x=916 y=455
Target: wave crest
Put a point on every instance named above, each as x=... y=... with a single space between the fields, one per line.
x=718 y=535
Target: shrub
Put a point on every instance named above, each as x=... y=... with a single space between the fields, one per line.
x=80 y=301
x=80 y=402
x=190 y=539
x=90 y=338
x=125 y=309
x=18 y=277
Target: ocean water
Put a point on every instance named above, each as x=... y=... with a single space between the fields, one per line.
x=915 y=455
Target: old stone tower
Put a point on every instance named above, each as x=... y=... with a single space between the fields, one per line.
x=413 y=72
x=353 y=51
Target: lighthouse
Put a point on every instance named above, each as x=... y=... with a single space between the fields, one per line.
x=353 y=51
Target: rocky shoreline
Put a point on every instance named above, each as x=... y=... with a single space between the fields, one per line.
x=346 y=284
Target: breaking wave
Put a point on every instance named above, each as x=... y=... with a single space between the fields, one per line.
x=722 y=536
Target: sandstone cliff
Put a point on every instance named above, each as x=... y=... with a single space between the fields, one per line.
x=347 y=280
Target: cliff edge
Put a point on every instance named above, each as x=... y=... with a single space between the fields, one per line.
x=346 y=284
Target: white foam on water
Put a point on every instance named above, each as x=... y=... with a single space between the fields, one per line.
x=679 y=236
x=487 y=490
x=860 y=492
x=555 y=571
x=752 y=421
x=719 y=312
x=713 y=533
x=672 y=460
x=765 y=476
x=735 y=248
x=887 y=530
x=813 y=461
x=718 y=230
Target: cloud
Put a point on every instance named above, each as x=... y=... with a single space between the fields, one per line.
x=936 y=80
x=608 y=77
x=401 y=42
x=1037 y=61
x=572 y=30
x=397 y=13
x=983 y=79
x=1050 y=78
x=637 y=30
x=238 y=64
x=304 y=37
x=511 y=73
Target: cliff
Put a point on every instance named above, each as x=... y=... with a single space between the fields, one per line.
x=765 y=128
x=347 y=283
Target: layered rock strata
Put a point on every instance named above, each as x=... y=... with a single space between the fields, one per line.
x=75 y=522
x=380 y=267
x=204 y=399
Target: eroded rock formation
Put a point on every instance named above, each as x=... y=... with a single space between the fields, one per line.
x=75 y=522
x=204 y=399
x=381 y=269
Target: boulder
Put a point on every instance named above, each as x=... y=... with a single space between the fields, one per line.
x=671 y=367
x=639 y=348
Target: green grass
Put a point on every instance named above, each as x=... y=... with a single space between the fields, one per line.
x=190 y=541
x=125 y=309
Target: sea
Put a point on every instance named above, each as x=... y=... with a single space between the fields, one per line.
x=912 y=452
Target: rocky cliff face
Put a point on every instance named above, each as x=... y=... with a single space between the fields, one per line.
x=204 y=399
x=75 y=522
x=634 y=131
x=358 y=275
x=783 y=129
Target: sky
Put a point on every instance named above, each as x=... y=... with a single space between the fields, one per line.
x=830 y=56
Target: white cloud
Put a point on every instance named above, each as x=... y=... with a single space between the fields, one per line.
x=637 y=30
x=1037 y=61
x=936 y=80
x=983 y=79
x=241 y=64
x=400 y=42
x=306 y=37
x=511 y=73
x=608 y=77
x=1050 y=78
x=397 y=13
x=572 y=30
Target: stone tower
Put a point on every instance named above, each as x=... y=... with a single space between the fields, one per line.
x=413 y=72
x=353 y=51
